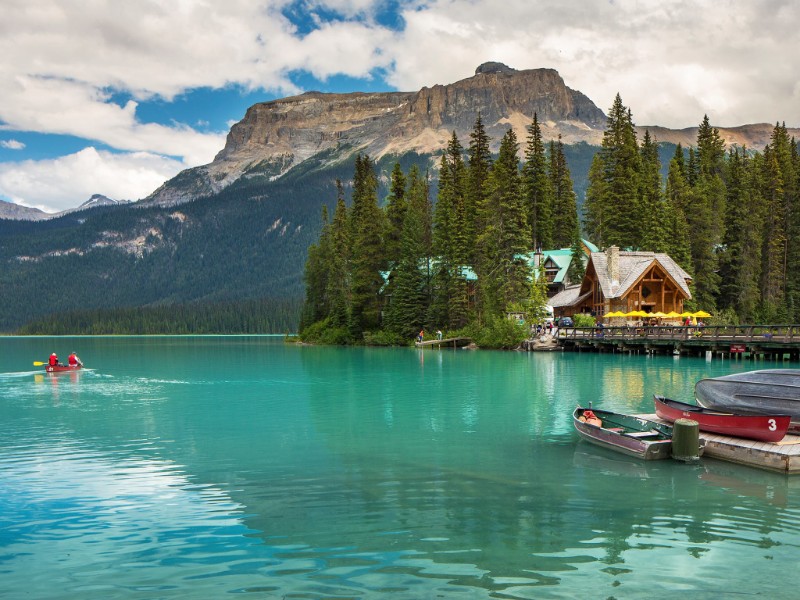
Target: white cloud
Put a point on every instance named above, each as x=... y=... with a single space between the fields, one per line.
x=671 y=62
x=83 y=111
x=65 y=182
x=12 y=144
x=347 y=48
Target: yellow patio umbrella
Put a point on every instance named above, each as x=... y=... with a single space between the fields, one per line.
x=686 y=313
x=615 y=313
x=636 y=313
x=701 y=314
x=672 y=315
x=658 y=315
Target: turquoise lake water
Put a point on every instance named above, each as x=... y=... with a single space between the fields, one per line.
x=200 y=467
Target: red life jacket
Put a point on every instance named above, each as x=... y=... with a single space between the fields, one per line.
x=73 y=360
x=53 y=360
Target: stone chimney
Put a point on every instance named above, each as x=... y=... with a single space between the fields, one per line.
x=613 y=264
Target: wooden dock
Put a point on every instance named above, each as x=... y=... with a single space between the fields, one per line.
x=774 y=342
x=455 y=342
x=780 y=457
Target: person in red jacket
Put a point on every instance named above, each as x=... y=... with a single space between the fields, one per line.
x=74 y=361
x=53 y=360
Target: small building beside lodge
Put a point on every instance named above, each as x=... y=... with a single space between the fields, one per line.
x=625 y=281
x=557 y=265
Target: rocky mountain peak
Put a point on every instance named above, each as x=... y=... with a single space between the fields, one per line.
x=278 y=135
x=494 y=67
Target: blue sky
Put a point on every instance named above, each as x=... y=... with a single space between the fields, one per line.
x=116 y=98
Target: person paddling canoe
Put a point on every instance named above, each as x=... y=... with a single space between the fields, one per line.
x=53 y=362
x=73 y=360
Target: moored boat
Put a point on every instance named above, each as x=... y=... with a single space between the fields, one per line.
x=762 y=392
x=630 y=435
x=62 y=368
x=765 y=428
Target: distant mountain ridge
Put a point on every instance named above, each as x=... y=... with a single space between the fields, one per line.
x=9 y=210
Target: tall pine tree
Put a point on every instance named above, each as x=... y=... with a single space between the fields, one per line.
x=409 y=303
x=566 y=229
x=740 y=261
x=655 y=218
x=450 y=301
x=538 y=189
x=705 y=213
x=479 y=165
x=613 y=205
x=367 y=228
x=503 y=275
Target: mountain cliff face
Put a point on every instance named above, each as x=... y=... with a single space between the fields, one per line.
x=275 y=136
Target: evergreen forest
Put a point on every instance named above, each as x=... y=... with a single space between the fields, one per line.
x=385 y=268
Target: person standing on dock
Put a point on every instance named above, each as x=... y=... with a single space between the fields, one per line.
x=421 y=336
x=439 y=334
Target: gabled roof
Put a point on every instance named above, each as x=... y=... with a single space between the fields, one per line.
x=569 y=296
x=631 y=267
x=562 y=257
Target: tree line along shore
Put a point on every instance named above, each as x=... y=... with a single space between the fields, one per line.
x=382 y=269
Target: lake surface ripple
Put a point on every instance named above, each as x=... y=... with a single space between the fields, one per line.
x=197 y=467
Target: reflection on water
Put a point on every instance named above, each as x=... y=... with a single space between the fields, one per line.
x=195 y=467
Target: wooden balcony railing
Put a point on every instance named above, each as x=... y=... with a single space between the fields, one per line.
x=734 y=334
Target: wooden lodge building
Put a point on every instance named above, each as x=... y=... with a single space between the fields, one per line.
x=625 y=281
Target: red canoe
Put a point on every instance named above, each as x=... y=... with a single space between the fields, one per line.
x=765 y=428
x=62 y=368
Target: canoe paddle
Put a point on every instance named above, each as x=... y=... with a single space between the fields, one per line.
x=37 y=363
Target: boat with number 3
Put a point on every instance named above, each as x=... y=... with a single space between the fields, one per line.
x=765 y=428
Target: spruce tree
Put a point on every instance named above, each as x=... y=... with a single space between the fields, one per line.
x=450 y=303
x=784 y=150
x=316 y=276
x=395 y=213
x=566 y=229
x=705 y=212
x=676 y=200
x=655 y=219
x=503 y=274
x=613 y=205
x=538 y=189
x=596 y=211
x=479 y=165
x=740 y=262
x=576 y=269
x=367 y=229
x=774 y=253
x=338 y=289
x=409 y=304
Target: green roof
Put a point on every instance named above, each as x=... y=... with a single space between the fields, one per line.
x=562 y=257
x=590 y=246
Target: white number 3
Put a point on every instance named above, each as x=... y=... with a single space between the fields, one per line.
x=772 y=425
